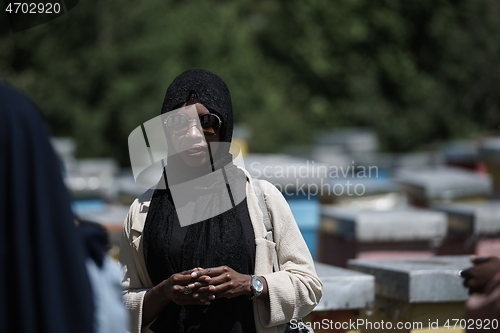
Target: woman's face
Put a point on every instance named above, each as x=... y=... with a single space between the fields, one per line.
x=192 y=144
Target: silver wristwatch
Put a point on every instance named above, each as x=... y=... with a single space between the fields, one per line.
x=257 y=286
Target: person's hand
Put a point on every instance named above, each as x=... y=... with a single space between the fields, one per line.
x=224 y=282
x=481 y=273
x=181 y=288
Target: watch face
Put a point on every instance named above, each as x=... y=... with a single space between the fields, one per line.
x=257 y=284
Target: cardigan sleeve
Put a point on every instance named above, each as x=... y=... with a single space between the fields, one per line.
x=295 y=290
x=135 y=284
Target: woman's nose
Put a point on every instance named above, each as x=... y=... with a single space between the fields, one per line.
x=194 y=132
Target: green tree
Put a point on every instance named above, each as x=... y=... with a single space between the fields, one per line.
x=416 y=71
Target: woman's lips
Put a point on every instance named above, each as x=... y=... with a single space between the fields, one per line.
x=197 y=151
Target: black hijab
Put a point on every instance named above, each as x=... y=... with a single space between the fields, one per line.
x=213 y=242
x=211 y=91
x=44 y=285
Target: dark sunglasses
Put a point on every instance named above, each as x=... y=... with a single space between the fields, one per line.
x=179 y=124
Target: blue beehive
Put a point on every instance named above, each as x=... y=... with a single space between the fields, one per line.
x=306 y=212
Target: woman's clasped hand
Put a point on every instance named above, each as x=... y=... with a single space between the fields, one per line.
x=200 y=286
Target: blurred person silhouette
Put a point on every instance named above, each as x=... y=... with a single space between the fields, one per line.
x=44 y=284
x=110 y=314
x=483 y=305
x=54 y=277
x=216 y=273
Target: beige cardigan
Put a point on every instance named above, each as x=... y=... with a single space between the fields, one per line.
x=294 y=291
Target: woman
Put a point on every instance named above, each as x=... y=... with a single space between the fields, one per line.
x=200 y=277
x=43 y=278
